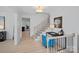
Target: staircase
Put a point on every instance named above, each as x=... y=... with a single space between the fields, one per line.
x=40 y=28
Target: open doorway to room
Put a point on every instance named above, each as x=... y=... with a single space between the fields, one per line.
x=25 y=28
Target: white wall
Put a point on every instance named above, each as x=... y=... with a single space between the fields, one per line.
x=70 y=17
x=9 y=23
x=18 y=29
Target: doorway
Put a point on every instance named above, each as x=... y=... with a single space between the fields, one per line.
x=25 y=28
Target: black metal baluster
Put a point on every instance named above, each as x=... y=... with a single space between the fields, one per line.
x=65 y=42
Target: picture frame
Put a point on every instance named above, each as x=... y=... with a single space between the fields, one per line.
x=2 y=22
x=58 y=22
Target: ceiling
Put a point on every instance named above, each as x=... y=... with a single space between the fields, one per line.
x=19 y=9
x=32 y=9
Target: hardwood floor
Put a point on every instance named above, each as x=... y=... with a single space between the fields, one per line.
x=27 y=45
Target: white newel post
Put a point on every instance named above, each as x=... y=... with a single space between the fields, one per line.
x=75 y=43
